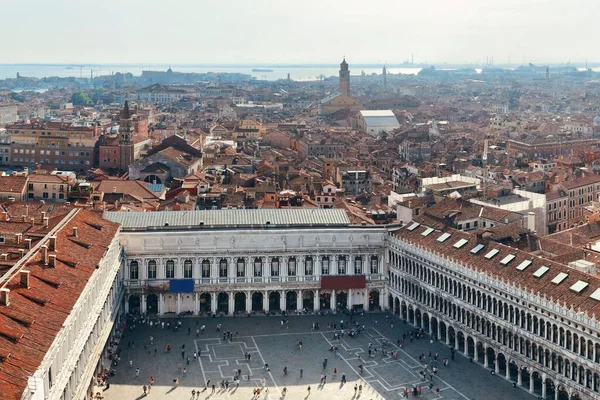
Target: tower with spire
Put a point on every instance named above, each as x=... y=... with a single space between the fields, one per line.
x=126 y=131
x=344 y=78
x=384 y=73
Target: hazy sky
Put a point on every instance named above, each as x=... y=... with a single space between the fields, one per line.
x=300 y=31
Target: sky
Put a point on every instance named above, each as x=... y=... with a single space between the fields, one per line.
x=300 y=31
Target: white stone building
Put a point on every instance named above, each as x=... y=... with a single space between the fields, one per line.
x=239 y=261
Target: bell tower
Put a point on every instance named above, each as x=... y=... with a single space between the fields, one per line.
x=126 y=139
x=344 y=78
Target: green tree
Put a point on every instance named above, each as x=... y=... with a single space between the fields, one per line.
x=80 y=99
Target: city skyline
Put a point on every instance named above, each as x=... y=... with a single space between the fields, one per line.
x=264 y=32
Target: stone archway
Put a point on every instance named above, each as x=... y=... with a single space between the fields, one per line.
x=471 y=348
x=404 y=311
x=434 y=327
x=291 y=300
x=152 y=304
x=425 y=317
x=537 y=382
x=275 y=301
x=501 y=360
x=240 y=302
x=443 y=331
x=451 y=336
x=491 y=353
x=325 y=301
x=390 y=301
x=134 y=304
x=418 y=317
x=223 y=302
x=397 y=306
x=374 y=300
x=205 y=300
x=308 y=300
x=257 y=301
x=341 y=300
x=461 y=342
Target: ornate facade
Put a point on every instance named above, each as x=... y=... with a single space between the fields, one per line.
x=529 y=319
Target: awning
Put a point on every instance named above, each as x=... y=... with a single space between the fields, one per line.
x=343 y=282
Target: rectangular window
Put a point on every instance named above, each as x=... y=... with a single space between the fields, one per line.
x=206 y=269
x=292 y=266
x=170 y=269
x=374 y=265
x=187 y=269
x=325 y=266
x=308 y=266
x=358 y=266
x=342 y=265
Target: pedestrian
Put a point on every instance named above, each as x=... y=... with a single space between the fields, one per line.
x=137 y=372
x=187 y=360
x=155 y=350
x=355 y=389
x=334 y=373
x=130 y=363
x=344 y=378
x=308 y=390
x=359 y=389
x=284 y=392
x=285 y=370
x=151 y=380
x=213 y=388
x=175 y=382
x=195 y=355
x=184 y=371
x=193 y=393
x=301 y=372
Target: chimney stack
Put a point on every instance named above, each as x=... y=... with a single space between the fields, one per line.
x=24 y=278
x=4 y=297
x=24 y=218
x=3 y=216
x=43 y=214
x=52 y=242
x=19 y=238
x=45 y=254
x=32 y=221
x=22 y=251
x=75 y=231
x=28 y=243
x=45 y=221
x=52 y=260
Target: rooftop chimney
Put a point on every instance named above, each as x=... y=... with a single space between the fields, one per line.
x=28 y=243
x=43 y=214
x=52 y=242
x=4 y=297
x=32 y=221
x=24 y=278
x=75 y=231
x=19 y=238
x=3 y=216
x=52 y=260
x=24 y=217
x=22 y=251
x=26 y=209
x=45 y=221
x=45 y=254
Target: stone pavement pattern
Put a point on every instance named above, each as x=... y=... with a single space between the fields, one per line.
x=268 y=342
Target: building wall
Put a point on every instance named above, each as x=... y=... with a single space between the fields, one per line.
x=231 y=245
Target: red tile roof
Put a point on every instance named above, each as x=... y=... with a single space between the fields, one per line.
x=509 y=273
x=35 y=315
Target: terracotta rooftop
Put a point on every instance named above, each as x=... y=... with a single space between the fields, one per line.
x=515 y=273
x=13 y=184
x=35 y=315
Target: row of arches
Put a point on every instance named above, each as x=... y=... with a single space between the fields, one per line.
x=256 y=301
x=480 y=336
x=523 y=318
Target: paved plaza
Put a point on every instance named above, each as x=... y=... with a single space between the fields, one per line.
x=267 y=342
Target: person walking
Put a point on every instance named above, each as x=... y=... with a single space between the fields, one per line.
x=145 y=389
x=301 y=372
x=343 y=378
x=137 y=372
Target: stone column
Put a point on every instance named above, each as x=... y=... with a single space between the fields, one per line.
x=439 y=331
x=544 y=386
x=299 y=301
x=496 y=365
x=366 y=300
x=531 y=387
x=248 y=302
x=266 y=300
x=456 y=341
x=485 y=358
x=350 y=293
x=430 y=328
x=213 y=302
x=143 y=309
x=448 y=335
x=196 y=303
x=178 y=299
x=519 y=377
x=127 y=305
x=466 y=352
x=507 y=369
x=231 y=304
x=414 y=317
x=161 y=304
x=316 y=300
x=555 y=393
x=333 y=301
x=282 y=300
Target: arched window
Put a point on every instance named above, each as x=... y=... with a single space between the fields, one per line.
x=152 y=269
x=205 y=268
x=187 y=269
x=374 y=264
x=241 y=268
x=341 y=264
x=308 y=266
x=274 y=266
x=358 y=265
x=292 y=266
x=223 y=268
x=134 y=270
x=170 y=269
x=258 y=272
x=325 y=265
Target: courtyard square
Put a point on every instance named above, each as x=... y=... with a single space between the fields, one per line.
x=266 y=341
